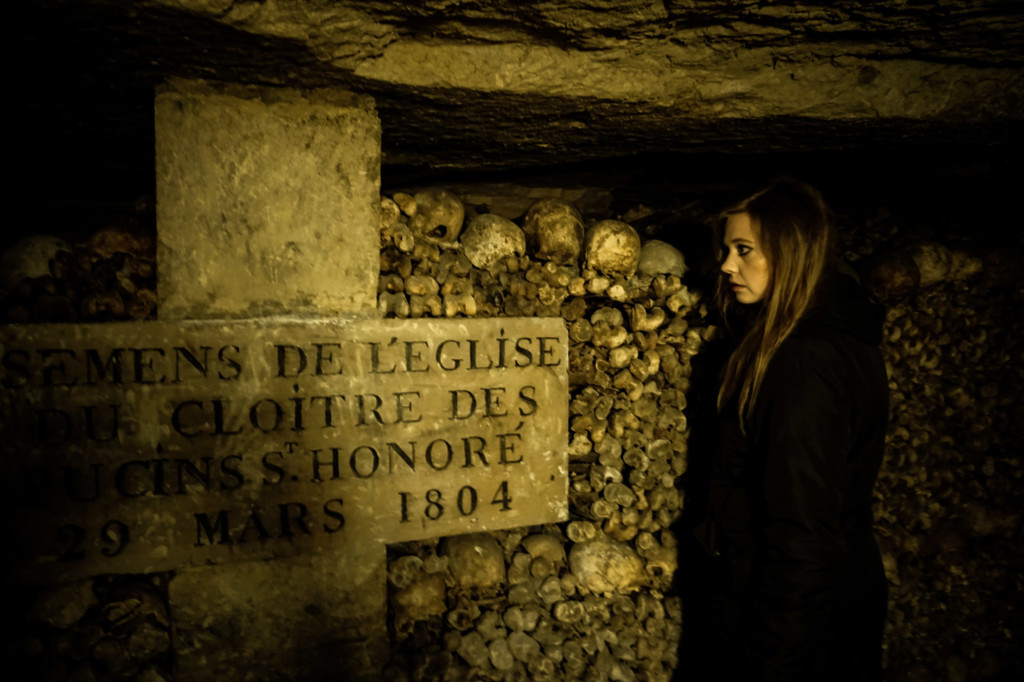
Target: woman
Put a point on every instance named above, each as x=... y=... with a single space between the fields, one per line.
x=803 y=408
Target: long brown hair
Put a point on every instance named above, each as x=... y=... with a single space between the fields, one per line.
x=795 y=230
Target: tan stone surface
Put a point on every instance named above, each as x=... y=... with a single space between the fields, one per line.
x=840 y=59
x=494 y=85
x=267 y=201
x=303 y=618
x=140 y=447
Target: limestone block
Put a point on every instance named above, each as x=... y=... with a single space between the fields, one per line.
x=314 y=617
x=267 y=201
x=168 y=445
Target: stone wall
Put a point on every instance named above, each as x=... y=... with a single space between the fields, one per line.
x=947 y=508
x=591 y=598
x=594 y=598
x=948 y=501
x=488 y=84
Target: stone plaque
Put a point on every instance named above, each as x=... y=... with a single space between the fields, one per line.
x=139 y=447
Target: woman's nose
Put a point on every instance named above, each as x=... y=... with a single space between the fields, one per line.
x=728 y=266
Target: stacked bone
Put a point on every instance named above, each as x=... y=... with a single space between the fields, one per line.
x=110 y=628
x=111 y=275
x=949 y=499
x=587 y=599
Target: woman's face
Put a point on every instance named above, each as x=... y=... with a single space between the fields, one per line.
x=745 y=264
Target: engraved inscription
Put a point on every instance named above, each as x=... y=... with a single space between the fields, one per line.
x=139 y=447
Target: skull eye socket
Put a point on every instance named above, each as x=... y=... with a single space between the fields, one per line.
x=439 y=232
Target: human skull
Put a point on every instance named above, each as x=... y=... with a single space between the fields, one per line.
x=934 y=261
x=545 y=545
x=661 y=258
x=437 y=216
x=554 y=231
x=963 y=265
x=422 y=599
x=606 y=567
x=612 y=247
x=476 y=562
x=414 y=593
x=891 y=276
x=489 y=238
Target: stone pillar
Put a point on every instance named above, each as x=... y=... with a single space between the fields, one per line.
x=319 y=617
x=267 y=204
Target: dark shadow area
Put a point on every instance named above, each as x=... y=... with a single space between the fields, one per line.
x=699 y=650
x=84 y=142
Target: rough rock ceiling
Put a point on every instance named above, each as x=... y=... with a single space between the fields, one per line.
x=485 y=84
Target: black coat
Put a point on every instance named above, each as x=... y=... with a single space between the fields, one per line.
x=800 y=590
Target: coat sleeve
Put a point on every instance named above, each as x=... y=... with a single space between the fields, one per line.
x=800 y=438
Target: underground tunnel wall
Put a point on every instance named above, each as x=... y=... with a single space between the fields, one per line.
x=947 y=502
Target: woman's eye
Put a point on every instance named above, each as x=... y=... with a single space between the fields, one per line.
x=742 y=250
